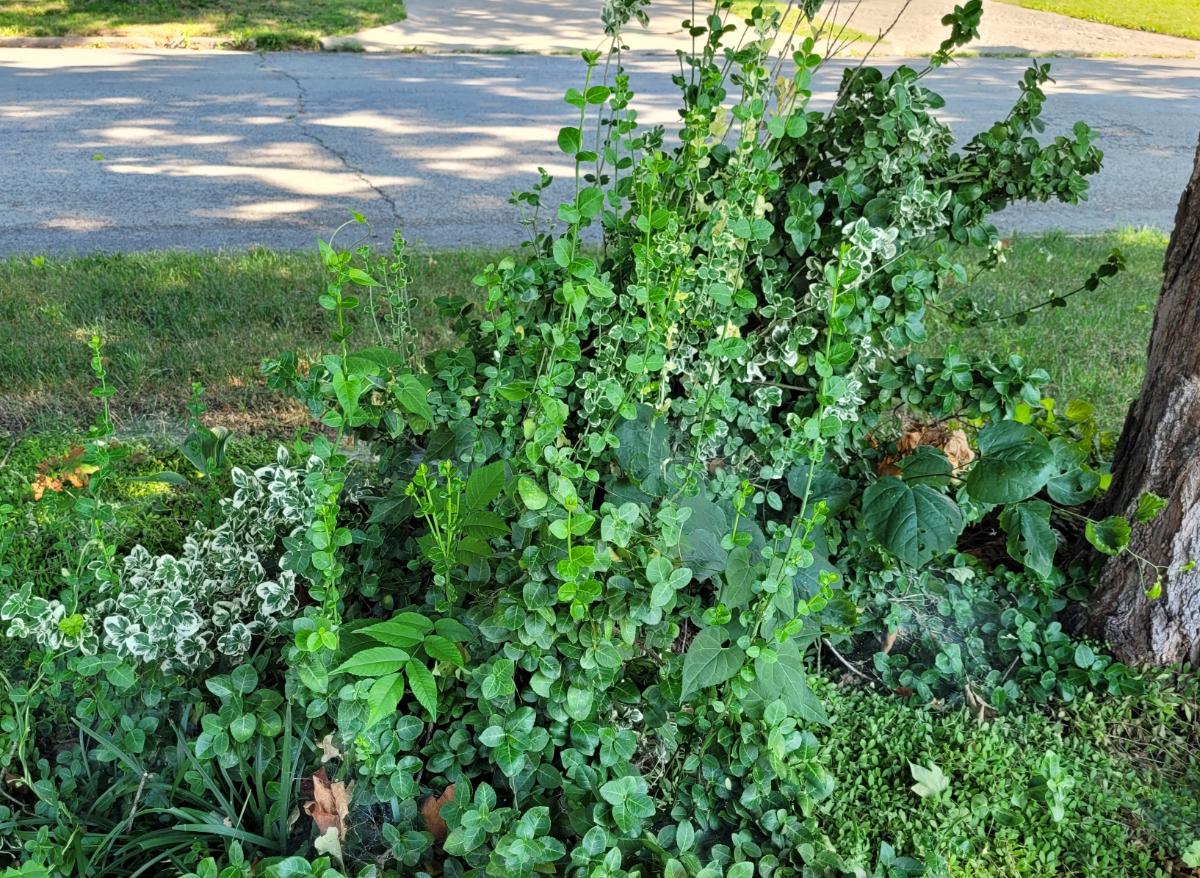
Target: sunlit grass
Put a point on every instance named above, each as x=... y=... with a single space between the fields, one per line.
x=266 y=24
x=1180 y=18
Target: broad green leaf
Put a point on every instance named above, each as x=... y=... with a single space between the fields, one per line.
x=452 y=629
x=532 y=494
x=739 y=578
x=244 y=679
x=1110 y=536
x=384 y=697
x=242 y=728
x=1015 y=462
x=402 y=630
x=440 y=649
x=374 y=662
x=1073 y=481
x=926 y=466
x=1148 y=507
x=423 y=686
x=826 y=485
x=1030 y=539
x=709 y=662
x=630 y=802
x=787 y=679
x=570 y=140
x=914 y=523
x=579 y=702
x=929 y=781
x=1084 y=657
x=413 y=397
x=484 y=485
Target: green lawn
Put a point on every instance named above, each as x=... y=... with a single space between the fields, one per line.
x=170 y=318
x=1095 y=347
x=1180 y=18
x=263 y=24
x=842 y=37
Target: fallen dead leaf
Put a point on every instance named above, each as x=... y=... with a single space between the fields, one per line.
x=431 y=810
x=952 y=443
x=330 y=804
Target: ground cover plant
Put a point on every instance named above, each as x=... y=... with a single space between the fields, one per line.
x=1179 y=18
x=264 y=24
x=688 y=556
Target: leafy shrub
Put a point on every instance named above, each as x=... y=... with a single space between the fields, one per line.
x=561 y=614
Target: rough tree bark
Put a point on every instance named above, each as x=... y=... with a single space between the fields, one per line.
x=1159 y=451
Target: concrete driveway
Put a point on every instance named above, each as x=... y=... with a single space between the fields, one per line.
x=118 y=150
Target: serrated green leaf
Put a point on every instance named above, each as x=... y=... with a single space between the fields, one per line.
x=484 y=485
x=373 y=662
x=440 y=649
x=384 y=697
x=1030 y=538
x=914 y=523
x=423 y=686
x=1110 y=536
x=1015 y=462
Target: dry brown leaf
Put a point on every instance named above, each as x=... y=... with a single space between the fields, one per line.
x=952 y=443
x=431 y=810
x=958 y=450
x=330 y=804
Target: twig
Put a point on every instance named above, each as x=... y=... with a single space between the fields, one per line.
x=845 y=661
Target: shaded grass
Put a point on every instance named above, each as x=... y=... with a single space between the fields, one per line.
x=1095 y=347
x=1179 y=18
x=263 y=24
x=171 y=318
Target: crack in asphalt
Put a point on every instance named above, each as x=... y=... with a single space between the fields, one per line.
x=297 y=119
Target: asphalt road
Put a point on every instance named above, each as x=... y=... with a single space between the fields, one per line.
x=120 y=150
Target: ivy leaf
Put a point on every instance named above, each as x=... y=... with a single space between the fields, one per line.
x=1030 y=539
x=1110 y=536
x=384 y=697
x=1015 y=462
x=929 y=781
x=374 y=662
x=826 y=485
x=913 y=523
x=423 y=686
x=709 y=662
x=786 y=678
x=629 y=800
x=739 y=579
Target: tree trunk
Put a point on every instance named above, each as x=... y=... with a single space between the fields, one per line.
x=1159 y=451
